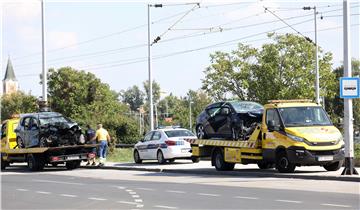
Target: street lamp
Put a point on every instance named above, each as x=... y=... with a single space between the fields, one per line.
x=149 y=69
x=317 y=88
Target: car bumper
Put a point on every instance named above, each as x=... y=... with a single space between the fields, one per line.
x=170 y=153
x=301 y=156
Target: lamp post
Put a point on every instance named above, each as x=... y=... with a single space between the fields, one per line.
x=149 y=68
x=44 y=72
x=317 y=86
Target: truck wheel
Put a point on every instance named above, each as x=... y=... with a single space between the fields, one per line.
x=4 y=164
x=334 y=166
x=220 y=163
x=265 y=165
x=35 y=162
x=73 y=164
x=160 y=157
x=137 y=157
x=195 y=159
x=283 y=165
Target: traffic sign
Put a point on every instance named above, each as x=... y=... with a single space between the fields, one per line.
x=349 y=87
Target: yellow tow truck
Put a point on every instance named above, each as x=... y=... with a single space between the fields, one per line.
x=292 y=133
x=38 y=157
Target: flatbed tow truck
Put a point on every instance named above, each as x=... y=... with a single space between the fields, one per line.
x=276 y=142
x=38 y=157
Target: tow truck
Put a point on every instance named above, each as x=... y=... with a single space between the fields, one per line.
x=278 y=142
x=38 y=157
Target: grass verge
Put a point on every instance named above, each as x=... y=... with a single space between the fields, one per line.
x=124 y=155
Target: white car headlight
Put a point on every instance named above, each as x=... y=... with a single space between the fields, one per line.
x=295 y=138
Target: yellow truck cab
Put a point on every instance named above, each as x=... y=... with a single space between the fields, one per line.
x=8 y=136
x=297 y=133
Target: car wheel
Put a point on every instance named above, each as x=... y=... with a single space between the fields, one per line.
x=73 y=164
x=20 y=142
x=334 y=166
x=220 y=164
x=160 y=157
x=43 y=142
x=171 y=160
x=200 y=132
x=195 y=159
x=234 y=134
x=283 y=165
x=137 y=157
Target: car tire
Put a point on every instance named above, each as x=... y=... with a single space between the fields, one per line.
x=43 y=142
x=73 y=164
x=160 y=157
x=219 y=162
x=283 y=164
x=195 y=159
x=334 y=166
x=234 y=134
x=137 y=158
x=35 y=162
x=171 y=160
x=200 y=132
x=20 y=143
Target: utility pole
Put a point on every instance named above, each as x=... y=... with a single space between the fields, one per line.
x=317 y=86
x=190 y=120
x=348 y=108
x=44 y=72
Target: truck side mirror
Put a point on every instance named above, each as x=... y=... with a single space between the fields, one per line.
x=271 y=126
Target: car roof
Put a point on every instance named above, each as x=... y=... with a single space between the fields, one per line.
x=41 y=114
x=171 y=129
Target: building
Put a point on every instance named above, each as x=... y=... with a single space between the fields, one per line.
x=10 y=83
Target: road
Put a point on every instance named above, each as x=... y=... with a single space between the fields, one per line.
x=116 y=189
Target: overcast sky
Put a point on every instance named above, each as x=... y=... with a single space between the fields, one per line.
x=109 y=38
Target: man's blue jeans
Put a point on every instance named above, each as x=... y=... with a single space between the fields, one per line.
x=103 y=149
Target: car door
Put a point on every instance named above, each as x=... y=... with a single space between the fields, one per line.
x=33 y=132
x=210 y=124
x=24 y=132
x=143 y=146
x=223 y=122
x=154 y=144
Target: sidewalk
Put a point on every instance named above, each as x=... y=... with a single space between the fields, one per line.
x=251 y=170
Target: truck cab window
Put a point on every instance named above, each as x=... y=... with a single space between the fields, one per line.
x=272 y=115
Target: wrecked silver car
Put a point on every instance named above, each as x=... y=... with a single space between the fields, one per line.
x=47 y=129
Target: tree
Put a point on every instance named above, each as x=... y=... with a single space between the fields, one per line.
x=17 y=103
x=134 y=97
x=155 y=90
x=283 y=69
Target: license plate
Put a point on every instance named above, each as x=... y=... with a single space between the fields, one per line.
x=185 y=150
x=73 y=158
x=325 y=158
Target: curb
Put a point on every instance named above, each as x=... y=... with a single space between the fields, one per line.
x=236 y=172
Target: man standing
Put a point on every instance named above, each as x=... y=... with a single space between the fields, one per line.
x=90 y=134
x=102 y=137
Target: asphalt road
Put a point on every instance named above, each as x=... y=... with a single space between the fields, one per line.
x=128 y=190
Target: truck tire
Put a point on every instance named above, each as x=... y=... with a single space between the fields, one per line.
x=195 y=159
x=137 y=158
x=334 y=166
x=4 y=164
x=73 y=164
x=265 y=165
x=283 y=165
x=35 y=162
x=219 y=162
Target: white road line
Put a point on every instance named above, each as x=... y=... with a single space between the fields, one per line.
x=135 y=196
x=57 y=182
x=165 y=207
x=205 y=194
x=43 y=192
x=139 y=206
x=121 y=188
x=68 y=195
x=132 y=193
x=22 y=190
x=288 y=201
x=174 y=191
x=128 y=190
x=148 y=189
x=97 y=199
x=250 y=198
x=335 y=205
x=127 y=202
x=138 y=200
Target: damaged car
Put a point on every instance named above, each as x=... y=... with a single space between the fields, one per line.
x=47 y=129
x=229 y=119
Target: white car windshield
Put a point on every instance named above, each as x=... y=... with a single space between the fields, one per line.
x=178 y=133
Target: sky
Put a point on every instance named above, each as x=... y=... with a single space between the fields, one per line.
x=109 y=38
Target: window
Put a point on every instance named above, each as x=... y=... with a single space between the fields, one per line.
x=27 y=123
x=156 y=136
x=148 y=136
x=213 y=111
x=3 y=130
x=177 y=133
x=271 y=114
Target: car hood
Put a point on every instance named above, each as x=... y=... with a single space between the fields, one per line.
x=316 y=134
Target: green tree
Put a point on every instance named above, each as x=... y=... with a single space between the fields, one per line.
x=155 y=89
x=133 y=96
x=17 y=103
x=283 y=69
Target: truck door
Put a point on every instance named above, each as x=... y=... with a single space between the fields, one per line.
x=271 y=131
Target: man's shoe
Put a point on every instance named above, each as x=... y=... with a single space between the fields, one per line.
x=101 y=164
x=87 y=164
x=93 y=164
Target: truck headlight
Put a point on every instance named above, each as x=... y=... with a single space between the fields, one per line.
x=339 y=140
x=296 y=138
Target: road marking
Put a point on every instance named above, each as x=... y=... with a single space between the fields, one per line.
x=43 y=192
x=335 y=205
x=205 y=194
x=57 y=182
x=23 y=190
x=128 y=190
x=165 y=207
x=135 y=196
x=148 y=189
x=174 y=191
x=127 y=202
x=68 y=195
x=139 y=206
x=97 y=199
x=250 y=198
x=132 y=193
x=288 y=201
x=138 y=200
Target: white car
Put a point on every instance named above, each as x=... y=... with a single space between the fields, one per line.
x=164 y=145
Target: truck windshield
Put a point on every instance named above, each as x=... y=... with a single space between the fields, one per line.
x=304 y=116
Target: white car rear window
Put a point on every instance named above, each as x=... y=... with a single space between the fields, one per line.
x=177 y=133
